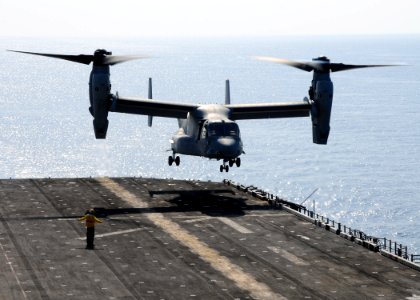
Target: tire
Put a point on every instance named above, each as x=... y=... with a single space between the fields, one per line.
x=170 y=160
x=177 y=160
x=238 y=162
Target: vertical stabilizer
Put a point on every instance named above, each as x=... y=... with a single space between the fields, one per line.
x=150 y=96
x=227 y=92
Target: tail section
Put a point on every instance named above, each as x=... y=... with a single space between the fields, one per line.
x=227 y=92
x=150 y=96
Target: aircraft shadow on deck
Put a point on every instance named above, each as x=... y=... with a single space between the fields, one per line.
x=215 y=203
x=208 y=202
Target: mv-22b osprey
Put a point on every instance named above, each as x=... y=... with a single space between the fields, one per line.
x=209 y=130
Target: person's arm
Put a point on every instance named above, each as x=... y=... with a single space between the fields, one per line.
x=97 y=220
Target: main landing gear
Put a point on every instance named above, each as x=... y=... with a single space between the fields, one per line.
x=174 y=159
x=224 y=167
x=235 y=161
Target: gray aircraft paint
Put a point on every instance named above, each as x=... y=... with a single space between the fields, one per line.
x=198 y=122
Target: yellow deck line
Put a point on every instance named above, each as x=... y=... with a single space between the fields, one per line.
x=244 y=281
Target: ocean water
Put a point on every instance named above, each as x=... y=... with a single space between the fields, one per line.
x=368 y=175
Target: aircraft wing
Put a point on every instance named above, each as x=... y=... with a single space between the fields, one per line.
x=269 y=110
x=151 y=107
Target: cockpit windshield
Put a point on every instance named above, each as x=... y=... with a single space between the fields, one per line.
x=223 y=129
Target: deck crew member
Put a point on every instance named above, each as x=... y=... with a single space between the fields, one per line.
x=91 y=220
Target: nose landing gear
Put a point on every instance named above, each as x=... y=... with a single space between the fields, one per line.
x=174 y=159
x=235 y=161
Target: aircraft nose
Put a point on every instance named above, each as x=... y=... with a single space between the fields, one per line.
x=226 y=142
x=225 y=147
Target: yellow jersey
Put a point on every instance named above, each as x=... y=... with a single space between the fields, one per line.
x=90 y=220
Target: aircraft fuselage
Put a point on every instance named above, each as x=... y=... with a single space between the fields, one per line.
x=208 y=132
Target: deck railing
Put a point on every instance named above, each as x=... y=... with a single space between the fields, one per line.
x=382 y=244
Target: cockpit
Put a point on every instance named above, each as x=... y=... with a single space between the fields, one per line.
x=220 y=129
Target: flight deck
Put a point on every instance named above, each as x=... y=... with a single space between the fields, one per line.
x=173 y=239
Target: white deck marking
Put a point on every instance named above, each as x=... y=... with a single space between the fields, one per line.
x=205 y=218
x=221 y=263
x=268 y=215
x=289 y=256
x=197 y=220
x=113 y=233
x=10 y=263
x=303 y=237
x=234 y=225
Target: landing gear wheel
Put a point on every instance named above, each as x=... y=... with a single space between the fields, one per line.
x=177 y=160
x=231 y=162
x=227 y=169
x=221 y=168
x=238 y=162
x=170 y=160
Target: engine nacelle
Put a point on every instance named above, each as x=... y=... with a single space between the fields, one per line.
x=100 y=88
x=321 y=111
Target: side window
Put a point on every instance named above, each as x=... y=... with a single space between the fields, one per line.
x=204 y=132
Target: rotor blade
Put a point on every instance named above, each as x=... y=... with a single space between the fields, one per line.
x=117 y=59
x=306 y=66
x=82 y=58
x=320 y=66
x=334 y=67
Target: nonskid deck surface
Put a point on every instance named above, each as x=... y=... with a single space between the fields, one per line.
x=169 y=239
